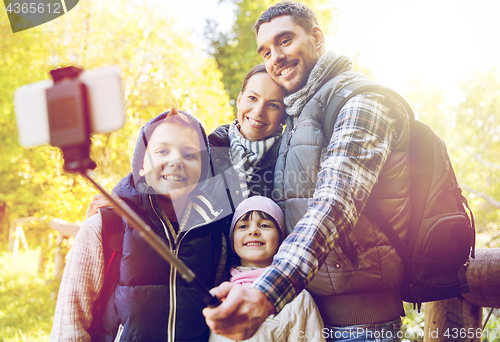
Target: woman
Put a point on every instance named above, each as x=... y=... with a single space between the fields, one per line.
x=245 y=151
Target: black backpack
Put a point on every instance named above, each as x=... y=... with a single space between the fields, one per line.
x=441 y=237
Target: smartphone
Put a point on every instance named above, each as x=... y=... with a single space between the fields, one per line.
x=106 y=105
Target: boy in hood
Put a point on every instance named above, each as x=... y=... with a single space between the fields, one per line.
x=150 y=302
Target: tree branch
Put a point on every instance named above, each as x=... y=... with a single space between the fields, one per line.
x=485 y=162
x=495 y=203
x=476 y=156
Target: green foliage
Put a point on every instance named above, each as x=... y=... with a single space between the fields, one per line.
x=236 y=51
x=478 y=150
x=491 y=331
x=27 y=298
x=160 y=67
x=412 y=324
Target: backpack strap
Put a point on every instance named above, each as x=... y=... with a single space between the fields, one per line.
x=340 y=98
x=112 y=240
x=386 y=228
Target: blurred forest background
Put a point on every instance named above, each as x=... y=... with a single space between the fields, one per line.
x=162 y=68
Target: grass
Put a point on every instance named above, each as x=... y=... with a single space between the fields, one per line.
x=27 y=297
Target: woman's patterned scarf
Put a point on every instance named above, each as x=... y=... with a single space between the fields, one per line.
x=246 y=155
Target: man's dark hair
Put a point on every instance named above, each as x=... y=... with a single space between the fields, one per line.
x=300 y=13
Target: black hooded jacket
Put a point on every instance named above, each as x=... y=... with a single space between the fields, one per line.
x=152 y=302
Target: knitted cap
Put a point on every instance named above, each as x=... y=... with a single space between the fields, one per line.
x=263 y=204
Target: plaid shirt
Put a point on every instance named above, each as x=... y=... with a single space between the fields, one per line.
x=361 y=142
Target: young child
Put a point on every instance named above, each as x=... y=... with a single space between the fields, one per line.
x=257 y=229
x=151 y=302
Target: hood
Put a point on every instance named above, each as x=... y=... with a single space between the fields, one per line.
x=133 y=186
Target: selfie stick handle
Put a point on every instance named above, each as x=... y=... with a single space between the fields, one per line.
x=155 y=241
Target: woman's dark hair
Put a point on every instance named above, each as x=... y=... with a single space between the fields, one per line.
x=300 y=13
x=259 y=68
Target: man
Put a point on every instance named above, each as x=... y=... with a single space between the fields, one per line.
x=325 y=173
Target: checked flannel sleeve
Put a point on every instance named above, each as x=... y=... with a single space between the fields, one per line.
x=360 y=144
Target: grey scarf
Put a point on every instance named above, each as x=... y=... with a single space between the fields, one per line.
x=245 y=154
x=328 y=64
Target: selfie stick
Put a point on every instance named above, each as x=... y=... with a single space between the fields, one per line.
x=75 y=144
x=155 y=242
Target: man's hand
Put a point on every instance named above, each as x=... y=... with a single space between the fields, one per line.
x=98 y=201
x=241 y=312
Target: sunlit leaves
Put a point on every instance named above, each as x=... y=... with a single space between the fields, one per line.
x=471 y=131
x=160 y=67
